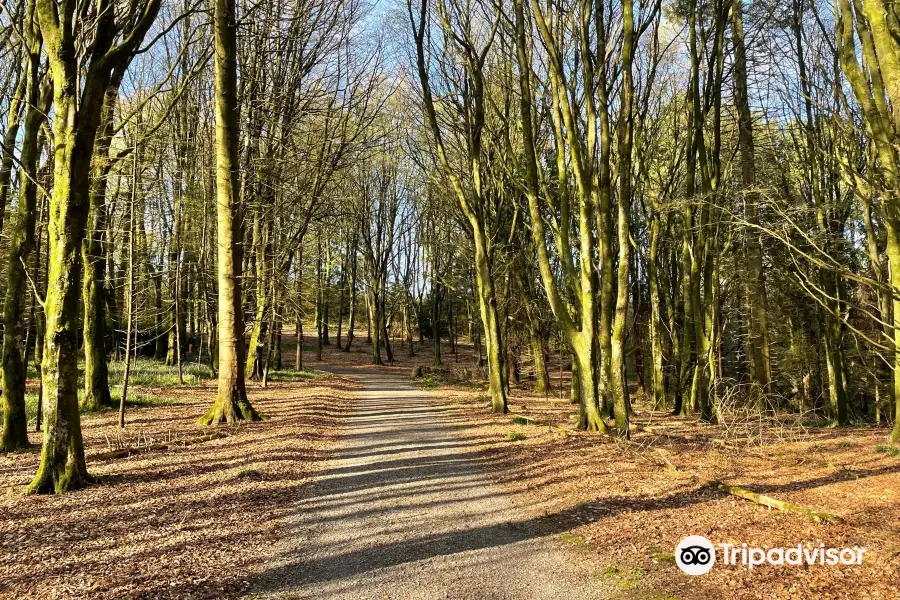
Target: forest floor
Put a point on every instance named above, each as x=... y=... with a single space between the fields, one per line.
x=211 y=518
x=631 y=503
x=179 y=515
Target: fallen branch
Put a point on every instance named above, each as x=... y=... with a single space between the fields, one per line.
x=131 y=450
x=818 y=517
x=658 y=430
x=526 y=420
x=11 y=469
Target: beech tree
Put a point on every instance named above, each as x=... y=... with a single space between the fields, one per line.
x=471 y=35
x=231 y=399
x=37 y=103
x=77 y=108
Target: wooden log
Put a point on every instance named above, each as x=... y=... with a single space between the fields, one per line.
x=817 y=516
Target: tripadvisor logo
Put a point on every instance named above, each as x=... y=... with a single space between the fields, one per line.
x=696 y=555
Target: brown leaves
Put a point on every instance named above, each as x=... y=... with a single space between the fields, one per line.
x=171 y=518
x=634 y=507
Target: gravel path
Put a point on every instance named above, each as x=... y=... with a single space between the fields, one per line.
x=405 y=510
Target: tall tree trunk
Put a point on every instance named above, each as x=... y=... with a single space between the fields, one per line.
x=130 y=296
x=377 y=329
x=231 y=400
x=351 y=322
x=94 y=251
x=258 y=331
x=40 y=325
x=14 y=435
x=626 y=130
x=270 y=342
x=451 y=326
x=832 y=332
x=320 y=293
x=298 y=331
x=407 y=323
x=657 y=376
x=436 y=321
x=758 y=326
x=62 y=466
x=159 y=352
x=175 y=291
x=474 y=205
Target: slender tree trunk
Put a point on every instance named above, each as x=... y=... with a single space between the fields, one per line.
x=351 y=323
x=96 y=374
x=342 y=297
x=298 y=357
x=129 y=298
x=376 y=329
x=436 y=322
x=451 y=326
x=40 y=325
x=14 y=435
x=175 y=266
x=407 y=323
x=657 y=376
x=179 y=320
x=273 y=291
x=626 y=134
x=13 y=124
x=160 y=331
x=320 y=294
x=258 y=331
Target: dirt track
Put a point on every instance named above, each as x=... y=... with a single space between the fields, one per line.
x=405 y=510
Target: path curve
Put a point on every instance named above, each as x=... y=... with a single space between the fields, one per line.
x=404 y=510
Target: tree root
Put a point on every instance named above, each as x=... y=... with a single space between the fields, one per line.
x=52 y=481
x=221 y=413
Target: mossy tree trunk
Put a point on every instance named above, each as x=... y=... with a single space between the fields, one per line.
x=498 y=382
x=77 y=119
x=873 y=84
x=619 y=383
x=471 y=197
x=578 y=328
x=14 y=435
x=41 y=292
x=96 y=374
x=231 y=399
x=260 y=323
x=13 y=124
x=831 y=230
